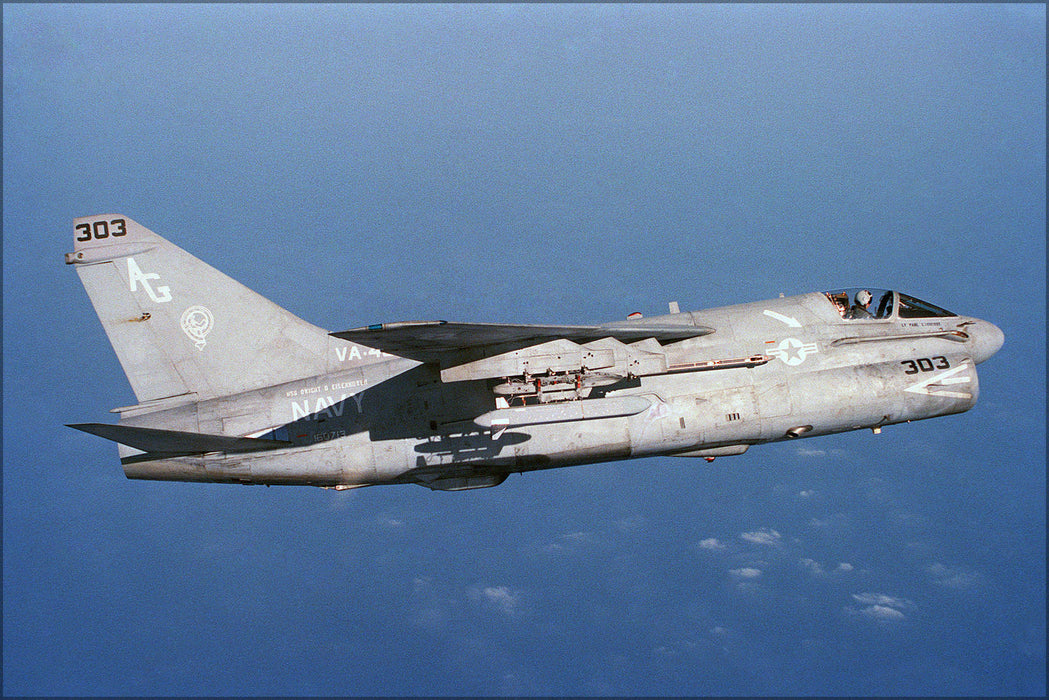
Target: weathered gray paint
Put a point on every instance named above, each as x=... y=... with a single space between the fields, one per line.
x=206 y=355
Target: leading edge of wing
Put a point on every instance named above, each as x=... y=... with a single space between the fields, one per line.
x=430 y=341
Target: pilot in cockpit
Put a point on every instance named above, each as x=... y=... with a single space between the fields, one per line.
x=859 y=309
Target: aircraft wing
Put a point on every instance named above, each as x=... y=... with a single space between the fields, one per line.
x=441 y=341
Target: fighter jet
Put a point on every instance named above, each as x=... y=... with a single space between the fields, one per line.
x=232 y=388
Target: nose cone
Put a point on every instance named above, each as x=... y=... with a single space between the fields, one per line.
x=987 y=339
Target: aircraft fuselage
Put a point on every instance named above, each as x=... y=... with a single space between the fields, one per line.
x=379 y=419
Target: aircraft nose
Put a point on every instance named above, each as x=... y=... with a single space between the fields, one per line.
x=987 y=340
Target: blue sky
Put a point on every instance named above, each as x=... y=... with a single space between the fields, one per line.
x=546 y=164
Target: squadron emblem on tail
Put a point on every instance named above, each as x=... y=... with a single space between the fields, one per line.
x=197 y=322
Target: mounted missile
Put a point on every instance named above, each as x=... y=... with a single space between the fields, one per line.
x=563 y=412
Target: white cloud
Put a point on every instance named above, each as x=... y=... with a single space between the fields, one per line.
x=807 y=493
x=813 y=566
x=956 y=578
x=635 y=523
x=836 y=520
x=883 y=613
x=745 y=572
x=880 y=599
x=845 y=566
x=502 y=598
x=569 y=541
x=881 y=608
x=812 y=452
x=711 y=543
x=766 y=536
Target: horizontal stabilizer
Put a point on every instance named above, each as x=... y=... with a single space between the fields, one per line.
x=177 y=442
x=431 y=341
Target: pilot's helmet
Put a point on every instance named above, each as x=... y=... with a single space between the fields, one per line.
x=863 y=297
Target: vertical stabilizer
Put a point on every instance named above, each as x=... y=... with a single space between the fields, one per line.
x=178 y=325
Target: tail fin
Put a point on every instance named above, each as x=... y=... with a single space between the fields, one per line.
x=181 y=327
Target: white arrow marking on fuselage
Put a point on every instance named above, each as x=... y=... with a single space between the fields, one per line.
x=945 y=378
x=790 y=321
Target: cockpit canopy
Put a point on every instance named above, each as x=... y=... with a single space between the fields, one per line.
x=858 y=303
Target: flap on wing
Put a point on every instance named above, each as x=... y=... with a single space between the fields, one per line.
x=176 y=442
x=430 y=341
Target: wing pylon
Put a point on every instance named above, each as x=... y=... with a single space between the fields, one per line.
x=467 y=351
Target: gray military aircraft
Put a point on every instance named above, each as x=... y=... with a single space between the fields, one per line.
x=232 y=388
